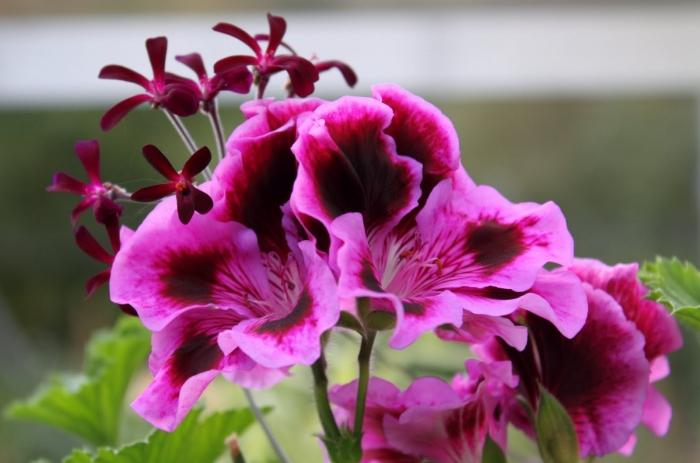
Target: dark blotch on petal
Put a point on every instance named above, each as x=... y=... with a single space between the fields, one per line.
x=196 y=355
x=494 y=244
x=190 y=277
x=294 y=317
x=369 y=279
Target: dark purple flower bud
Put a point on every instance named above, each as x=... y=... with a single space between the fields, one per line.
x=190 y=199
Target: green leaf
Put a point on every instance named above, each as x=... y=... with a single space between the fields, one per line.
x=194 y=441
x=556 y=436
x=676 y=285
x=492 y=452
x=90 y=404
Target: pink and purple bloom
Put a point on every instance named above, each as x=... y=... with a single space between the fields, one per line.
x=232 y=292
x=433 y=420
x=409 y=229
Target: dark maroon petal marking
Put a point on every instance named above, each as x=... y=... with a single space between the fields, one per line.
x=293 y=318
x=347 y=72
x=157 y=159
x=317 y=230
x=369 y=279
x=194 y=62
x=278 y=27
x=257 y=193
x=199 y=160
x=191 y=276
x=157 y=48
x=88 y=152
x=492 y=292
x=116 y=72
x=197 y=354
x=493 y=244
x=128 y=310
x=240 y=34
x=117 y=112
x=153 y=193
x=413 y=308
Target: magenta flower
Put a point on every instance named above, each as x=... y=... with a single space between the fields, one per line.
x=189 y=197
x=95 y=193
x=660 y=330
x=235 y=292
x=301 y=71
x=237 y=80
x=410 y=230
x=432 y=420
x=169 y=91
x=600 y=376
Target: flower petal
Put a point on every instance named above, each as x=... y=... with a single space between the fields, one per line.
x=88 y=151
x=196 y=163
x=159 y=162
x=167 y=267
x=346 y=71
x=117 y=112
x=484 y=240
x=65 y=183
x=278 y=26
x=117 y=72
x=657 y=412
x=240 y=34
x=153 y=193
x=295 y=337
x=194 y=62
x=233 y=62
x=348 y=164
x=302 y=73
x=157 y=48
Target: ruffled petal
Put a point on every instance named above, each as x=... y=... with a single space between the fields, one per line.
x=167 y=267
x=483 y=240
x=348 y=164
x=278 y=340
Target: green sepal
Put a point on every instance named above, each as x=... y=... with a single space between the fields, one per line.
x=556 y=435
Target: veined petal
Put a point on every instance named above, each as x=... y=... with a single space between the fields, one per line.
x=294 y=337
x=421 y=315
x=348 y=164
x=483 y=240
x=167 y=267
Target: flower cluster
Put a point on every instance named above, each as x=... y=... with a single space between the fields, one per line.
x=358 y=214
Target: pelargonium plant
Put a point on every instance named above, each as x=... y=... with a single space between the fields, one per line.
x=356 y=215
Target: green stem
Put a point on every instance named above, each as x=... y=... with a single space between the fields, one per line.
x=279 y=451
x=215 y=120
x=323 y=406
x=363 y=362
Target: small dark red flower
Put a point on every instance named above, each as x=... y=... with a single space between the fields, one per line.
x=189 y=197
x=236 y=80
x=170 y=91
x=96 y=194
x=90 y=246
x=301 y=71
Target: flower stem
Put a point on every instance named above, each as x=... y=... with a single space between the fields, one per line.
x=215 y=120
x=323 y=406
x=185 y=137
x=281 y=456
x=363 y=362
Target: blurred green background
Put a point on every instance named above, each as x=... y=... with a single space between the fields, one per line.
x=624 y=170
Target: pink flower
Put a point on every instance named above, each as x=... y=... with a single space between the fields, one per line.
x=660 y=330
x=235 y=292
x=431 y=419
x=301 y=71
x=236 y=80
x=409 y=228
x=600 y=376
x=172 y=92
x=189 y=197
